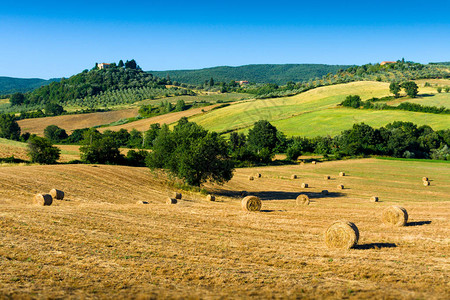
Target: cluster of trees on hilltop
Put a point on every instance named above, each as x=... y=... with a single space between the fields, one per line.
x=92 y=87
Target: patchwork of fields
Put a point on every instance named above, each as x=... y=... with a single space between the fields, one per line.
x=99 y=243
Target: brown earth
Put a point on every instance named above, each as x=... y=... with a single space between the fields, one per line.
x=98 y=243
x=72 y=122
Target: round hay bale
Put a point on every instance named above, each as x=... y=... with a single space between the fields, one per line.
x=142 y=202
x=324 y=192
x=342 y=174
x=340 y=187
x=426 y=183
x=57 y=194
x=395 y=215
x=314 y=162
x=250 y=178
x=251 y=203
x=424 y=178
x=177 y=196
x=374 y=199
x=258 y=175
x=342 y=235
x=327 y=177
x=293 y=176
x=43 y=199
x=302 y=199
x=304 y=185
x=211 y=198
x=171 y=200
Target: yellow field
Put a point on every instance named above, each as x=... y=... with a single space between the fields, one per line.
x=72 y=122
x=98 y=243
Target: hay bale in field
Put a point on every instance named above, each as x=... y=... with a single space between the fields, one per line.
x=57 y=194
x=177 y=196
x=340 y=187
x=304 y=185
x=324 y=192
x=43 y=199
x=342 y=235
x=342 y=174
x=426 y=183
x=293 y=176
x=142 y=202
x=314 y=162
x=424 y=178
x=327 y=177
x=395 y=215
x=374 y=199
x=302 y=199
x=251 y=203
x=211 y=197
x=171 y=200
x=250 y=178
x=258 y=175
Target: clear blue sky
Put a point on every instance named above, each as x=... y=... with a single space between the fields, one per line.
x=60 y=38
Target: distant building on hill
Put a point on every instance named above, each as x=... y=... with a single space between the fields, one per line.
x=102 y=66
x=242 y=82
x=387 y=62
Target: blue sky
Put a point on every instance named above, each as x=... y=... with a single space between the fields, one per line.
x=48 y=39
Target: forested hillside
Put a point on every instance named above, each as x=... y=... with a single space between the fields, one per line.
x=264 y=73
x=9 y=85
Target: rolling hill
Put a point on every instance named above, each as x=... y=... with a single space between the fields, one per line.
x=315 y=113
x=263 y=73
x=9 y=85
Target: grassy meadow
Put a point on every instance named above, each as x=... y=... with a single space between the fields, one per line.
x=98 y=243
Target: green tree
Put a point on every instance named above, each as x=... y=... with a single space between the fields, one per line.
x=120 y=65
x=101 y=150
x=55 y=134
x=17 y=99
x=447 y=89
x=53 y=109
x=9 y=128
x=211 y=82
x=192 y=154
x=262 y=135
x=410 y=88
x=41 y=150
x=131 y=64
x=352 y=101
x=181 y=105
x=395 y=88
x=439 y=89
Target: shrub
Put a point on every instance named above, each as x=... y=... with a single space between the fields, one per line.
x=352 y=101
x=41 y=150
x=9 y=129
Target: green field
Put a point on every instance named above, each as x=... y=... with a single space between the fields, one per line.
x=315 y=113
x=442 y=99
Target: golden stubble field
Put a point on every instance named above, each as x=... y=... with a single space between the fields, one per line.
x=99 y=244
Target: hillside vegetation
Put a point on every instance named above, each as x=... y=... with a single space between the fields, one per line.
x=9 y=85
x=198 y=249
x=262 y=73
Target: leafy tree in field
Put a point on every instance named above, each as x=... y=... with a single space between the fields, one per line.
x=352 y=101
x=447 y=89
x=77 y=136
x=9 y=128
x=395 y=88
x=237 y=140
x=192 y=154
x=411 y=88
x=41 y=150
x=439 y=89
x=135 y=140
x=101 y=150
x=262 y=135
x=17 y=99
x=180 y=106
x=136 y=158
x=151 y=134
x=120 y=65
x=55 y=134
x=53 y=109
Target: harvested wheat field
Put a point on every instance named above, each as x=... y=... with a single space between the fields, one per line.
x=98 y=243
x=72 y=122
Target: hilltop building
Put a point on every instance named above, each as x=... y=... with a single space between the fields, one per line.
x=102 y=66
x=242 y=82
x=387 y=62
